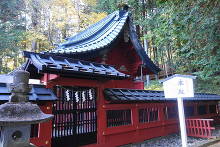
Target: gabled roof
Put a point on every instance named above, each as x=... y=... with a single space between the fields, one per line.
x=38 y=92
x=70 y=67
x=101 y=36
x=132 y=95
x=98 y=35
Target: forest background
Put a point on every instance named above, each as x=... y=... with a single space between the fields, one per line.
x=183 y=35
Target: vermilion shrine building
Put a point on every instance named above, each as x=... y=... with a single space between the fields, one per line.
x=97 y=76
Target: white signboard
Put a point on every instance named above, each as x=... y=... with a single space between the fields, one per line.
x=178 y=87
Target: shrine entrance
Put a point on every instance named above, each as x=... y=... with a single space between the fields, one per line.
x=75 y=120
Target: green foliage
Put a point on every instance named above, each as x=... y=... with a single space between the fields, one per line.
x=183 y=34
x=200 y=85
x=90 y=18
x=36 y=25
x=42 y=42
x=190 y=29
x=207 y=86
x=11 y=33
x=10 y=10
x=154 y=85
x=108 y=6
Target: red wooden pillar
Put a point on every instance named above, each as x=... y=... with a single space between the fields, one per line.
x=46 y=130
x=162 y=117
x=101 y=117
x=161 y=112
x=135 y=119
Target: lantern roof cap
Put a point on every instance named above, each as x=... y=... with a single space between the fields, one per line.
x=21 y=113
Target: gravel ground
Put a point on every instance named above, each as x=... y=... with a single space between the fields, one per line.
x=173 y=140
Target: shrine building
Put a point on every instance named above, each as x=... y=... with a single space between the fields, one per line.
x=94 y=87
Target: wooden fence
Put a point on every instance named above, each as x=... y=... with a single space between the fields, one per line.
x=199 y=128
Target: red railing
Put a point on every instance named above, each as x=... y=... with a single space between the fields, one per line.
x=199 y=128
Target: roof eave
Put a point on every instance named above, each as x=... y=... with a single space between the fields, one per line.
x=140 y=50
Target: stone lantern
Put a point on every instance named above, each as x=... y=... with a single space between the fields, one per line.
x=17 y=115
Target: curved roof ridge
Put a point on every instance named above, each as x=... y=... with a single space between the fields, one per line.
x=91 y=30
x=96 y=36
x=101 y=35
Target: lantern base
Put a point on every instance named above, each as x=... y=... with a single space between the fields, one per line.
x=15 y=136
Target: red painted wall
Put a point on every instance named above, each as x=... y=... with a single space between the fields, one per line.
x=122 y=55
x=44 y=129
x=124 y=58
x=121 y=135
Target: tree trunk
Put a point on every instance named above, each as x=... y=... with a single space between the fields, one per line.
x=15 y=61
x=146 y=46
x=64 y=31
x=34 y=46
x=144 y=13
x=49 y=33
x=1 y=65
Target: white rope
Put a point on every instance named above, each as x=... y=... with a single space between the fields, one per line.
x=67 y=92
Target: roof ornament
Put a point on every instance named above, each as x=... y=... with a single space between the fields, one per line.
x=123 y=8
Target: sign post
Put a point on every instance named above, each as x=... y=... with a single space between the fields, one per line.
x=179 y=86
x=182 y=122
